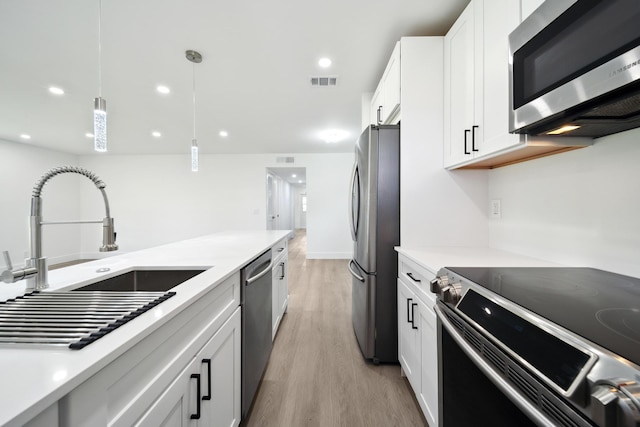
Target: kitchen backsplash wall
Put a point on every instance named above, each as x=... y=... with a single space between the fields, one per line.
x=576 y=208
x=22 y=166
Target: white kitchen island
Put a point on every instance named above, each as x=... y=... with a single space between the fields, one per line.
x=145 y=370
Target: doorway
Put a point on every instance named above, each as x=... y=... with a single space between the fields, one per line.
x=286 y=198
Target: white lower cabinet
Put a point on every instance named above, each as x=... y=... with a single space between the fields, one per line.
x=280 y=290
x=417 y=336
x=428 y=389
x=207 y=392
x=408 y=336
x=155 y=382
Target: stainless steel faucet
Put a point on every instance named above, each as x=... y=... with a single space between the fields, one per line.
x=35 y=270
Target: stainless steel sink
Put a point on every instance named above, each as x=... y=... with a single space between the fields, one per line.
x=142 y=280
x=73 y=319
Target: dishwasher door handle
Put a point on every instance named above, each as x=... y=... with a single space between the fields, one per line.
x=261 y=274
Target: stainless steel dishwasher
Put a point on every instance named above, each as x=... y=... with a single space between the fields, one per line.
x=255 y=299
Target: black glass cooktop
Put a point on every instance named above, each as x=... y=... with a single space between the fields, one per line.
x=600 y=306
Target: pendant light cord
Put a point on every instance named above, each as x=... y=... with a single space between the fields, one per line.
x=194 y=100
x=100 y=48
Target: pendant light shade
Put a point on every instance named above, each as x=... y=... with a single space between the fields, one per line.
x=194 y=155
x=100 y=124
x=195 y=58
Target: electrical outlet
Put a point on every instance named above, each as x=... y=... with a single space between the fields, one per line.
x=496 y=209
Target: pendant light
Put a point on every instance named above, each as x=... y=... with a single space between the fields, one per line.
x=99 y=104
x=195 y=58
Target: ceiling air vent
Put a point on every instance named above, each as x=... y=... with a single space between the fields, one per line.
x=324 y=81
x=285 y=160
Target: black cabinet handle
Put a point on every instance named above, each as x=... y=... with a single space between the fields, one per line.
x=208 y=363
x=473 y=137
x=280 y=249
x=466 y=132
x=196 y=416
x=409 y=320
x=413 y=326
x=413 y=278
x=379 y=119
x=282 y=265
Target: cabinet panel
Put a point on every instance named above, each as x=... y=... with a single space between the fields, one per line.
x=459 y=88
x=176 y=405
x=385 y=103
x=408 y=335
x=498 y=19
x=428 y=395
x=220 y=373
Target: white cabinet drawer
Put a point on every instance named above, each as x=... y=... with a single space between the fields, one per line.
x=279 y=249
x=418 y=277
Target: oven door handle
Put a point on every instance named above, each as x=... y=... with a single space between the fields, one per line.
x=521 y=401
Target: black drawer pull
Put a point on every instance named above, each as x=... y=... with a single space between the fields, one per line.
x=466 y=132
x=196 y=416
x=409 y=319
x=473 y=137
x=413 y=278
x=413 y=326
x=208 y=363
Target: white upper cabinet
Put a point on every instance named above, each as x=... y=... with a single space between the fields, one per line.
x=476 y=90
x=385 y=104
x=477 y=81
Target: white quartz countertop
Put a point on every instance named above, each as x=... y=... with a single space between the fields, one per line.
x=33 y=378
x=434 y=258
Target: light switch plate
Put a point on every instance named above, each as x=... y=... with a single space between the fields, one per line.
x=496 y=209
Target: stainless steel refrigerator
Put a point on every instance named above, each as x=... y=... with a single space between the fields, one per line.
x=375 y=229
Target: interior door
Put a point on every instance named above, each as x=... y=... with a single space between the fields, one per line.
x=272 y=203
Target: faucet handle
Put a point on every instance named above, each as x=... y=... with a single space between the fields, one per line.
x=7 y=260
x=11 y=276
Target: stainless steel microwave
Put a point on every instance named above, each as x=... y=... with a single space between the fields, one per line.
x=574 y=69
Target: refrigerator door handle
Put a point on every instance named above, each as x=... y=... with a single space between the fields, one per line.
x=353 y=273
x=353 y=220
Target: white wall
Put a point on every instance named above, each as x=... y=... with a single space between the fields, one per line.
x=22 y=166
x=300 y=217
x=437 y=207
x=575 y=208
x=157 y=199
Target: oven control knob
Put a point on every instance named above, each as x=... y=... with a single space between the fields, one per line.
x=451 y=294
x=438 y=284
x=614 y=402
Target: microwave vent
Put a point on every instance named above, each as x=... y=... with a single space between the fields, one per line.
x=623 y=109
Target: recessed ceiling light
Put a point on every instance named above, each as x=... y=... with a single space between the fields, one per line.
x=163 y=89
x=56 y=90
x=224 y=133
x=25 y=136
x=156 y=134
x=331 y=136
x=300 y=181
x=293 y=175
x=88 y=135
x=324 y=62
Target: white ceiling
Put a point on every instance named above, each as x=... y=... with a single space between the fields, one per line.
x=253 y=81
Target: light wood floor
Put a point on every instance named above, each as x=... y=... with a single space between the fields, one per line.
x=316 y=375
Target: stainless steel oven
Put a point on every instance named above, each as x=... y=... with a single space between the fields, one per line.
x=538 y=346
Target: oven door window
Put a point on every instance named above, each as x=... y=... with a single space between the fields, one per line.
x=588 y=34
x=467 y=396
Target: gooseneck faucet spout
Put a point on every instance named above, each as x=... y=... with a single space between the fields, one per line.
x=36 y=265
